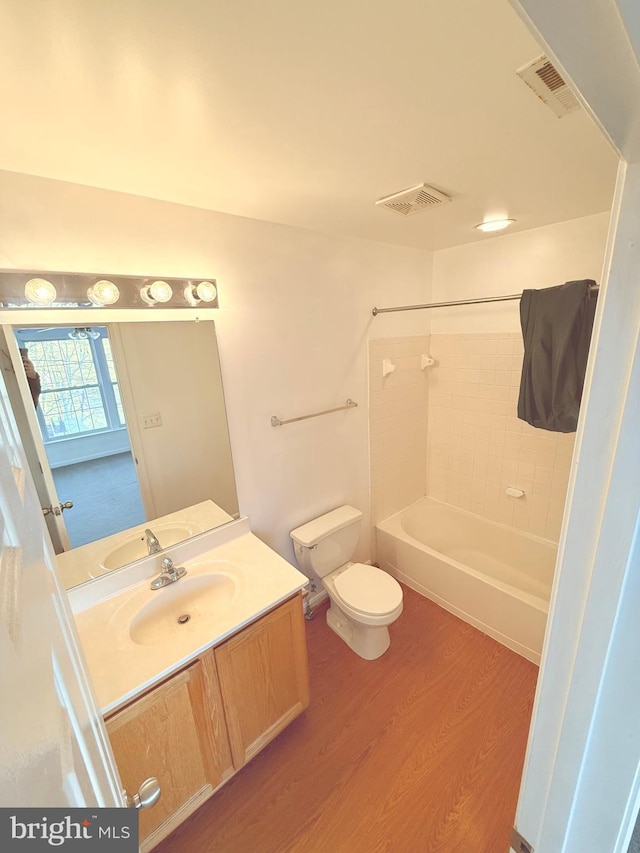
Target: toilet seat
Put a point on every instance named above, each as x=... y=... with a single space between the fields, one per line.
x=368 y=590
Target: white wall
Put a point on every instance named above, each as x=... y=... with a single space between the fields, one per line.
x=292 y=329
x=510 y=263
x=82 y=448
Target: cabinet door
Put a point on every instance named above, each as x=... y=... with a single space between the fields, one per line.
x=175 y=732
x=264 y=679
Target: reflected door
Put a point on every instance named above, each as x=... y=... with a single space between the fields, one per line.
x=81 y=423
x=24 y=413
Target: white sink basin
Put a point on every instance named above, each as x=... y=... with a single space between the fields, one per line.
x=135 y=547
x=181 y=607
x=132 y=638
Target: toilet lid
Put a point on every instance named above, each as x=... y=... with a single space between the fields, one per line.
x=368 y=589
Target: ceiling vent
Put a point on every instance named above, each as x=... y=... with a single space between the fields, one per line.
x=419 y=198
x=543 y=77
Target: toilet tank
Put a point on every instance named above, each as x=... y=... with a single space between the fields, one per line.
x=327 y=542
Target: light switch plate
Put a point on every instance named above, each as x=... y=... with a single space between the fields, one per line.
x=152 y=420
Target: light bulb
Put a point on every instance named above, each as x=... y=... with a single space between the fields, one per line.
x=103 y=292
x=158 y=291
x=205 y=291
x=40 y=291
x=495 y=225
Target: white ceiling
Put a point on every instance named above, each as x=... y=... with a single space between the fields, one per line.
x=302 y=112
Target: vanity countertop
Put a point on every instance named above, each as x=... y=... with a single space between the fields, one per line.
x=88 y=561
x=121 y=667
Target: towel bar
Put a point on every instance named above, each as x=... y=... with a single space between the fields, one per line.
x=275 y=421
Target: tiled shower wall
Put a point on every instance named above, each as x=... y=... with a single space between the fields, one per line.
x=456 y=422
x=477 y=446
x=397 y=424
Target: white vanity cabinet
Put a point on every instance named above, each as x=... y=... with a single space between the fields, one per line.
x=198 y=727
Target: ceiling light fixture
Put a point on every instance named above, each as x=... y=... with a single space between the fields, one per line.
x=33 y=290
x=39 y=291
x=103 y=292
x=158 y=291
x=81 y=333
x=205 y=291
x=494 y=225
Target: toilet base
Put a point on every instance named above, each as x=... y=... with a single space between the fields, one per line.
x=367 y=641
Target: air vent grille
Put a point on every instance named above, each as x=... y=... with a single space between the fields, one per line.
x=550 y=77
x=414 y=200
x=543 y=77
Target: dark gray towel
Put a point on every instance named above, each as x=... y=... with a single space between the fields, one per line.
x=556 y=328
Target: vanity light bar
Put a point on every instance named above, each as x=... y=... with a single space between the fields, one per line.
x=20 y=289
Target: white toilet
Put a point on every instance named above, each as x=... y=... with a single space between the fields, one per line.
x=364 y=600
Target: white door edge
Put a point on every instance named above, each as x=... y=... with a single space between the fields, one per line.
x=580 y=788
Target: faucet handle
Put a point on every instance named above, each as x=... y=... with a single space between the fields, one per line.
x=169 y=574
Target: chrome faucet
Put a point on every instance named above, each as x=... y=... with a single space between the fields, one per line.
x=169 y=574
x=153 y=545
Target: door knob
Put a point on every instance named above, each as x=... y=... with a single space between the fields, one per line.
x=66 y=505
x=147 y=796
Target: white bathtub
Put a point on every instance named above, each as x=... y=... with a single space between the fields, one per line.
x=494 y=577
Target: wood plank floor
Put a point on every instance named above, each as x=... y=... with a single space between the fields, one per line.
x=420 y=751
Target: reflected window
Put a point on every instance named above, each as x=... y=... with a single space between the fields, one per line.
x=80 y=394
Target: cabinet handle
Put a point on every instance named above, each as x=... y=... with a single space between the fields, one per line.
x=147 y=796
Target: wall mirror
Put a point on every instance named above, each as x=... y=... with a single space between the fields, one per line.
x=126 y=421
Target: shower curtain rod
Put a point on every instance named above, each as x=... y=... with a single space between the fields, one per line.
x=512 y=296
